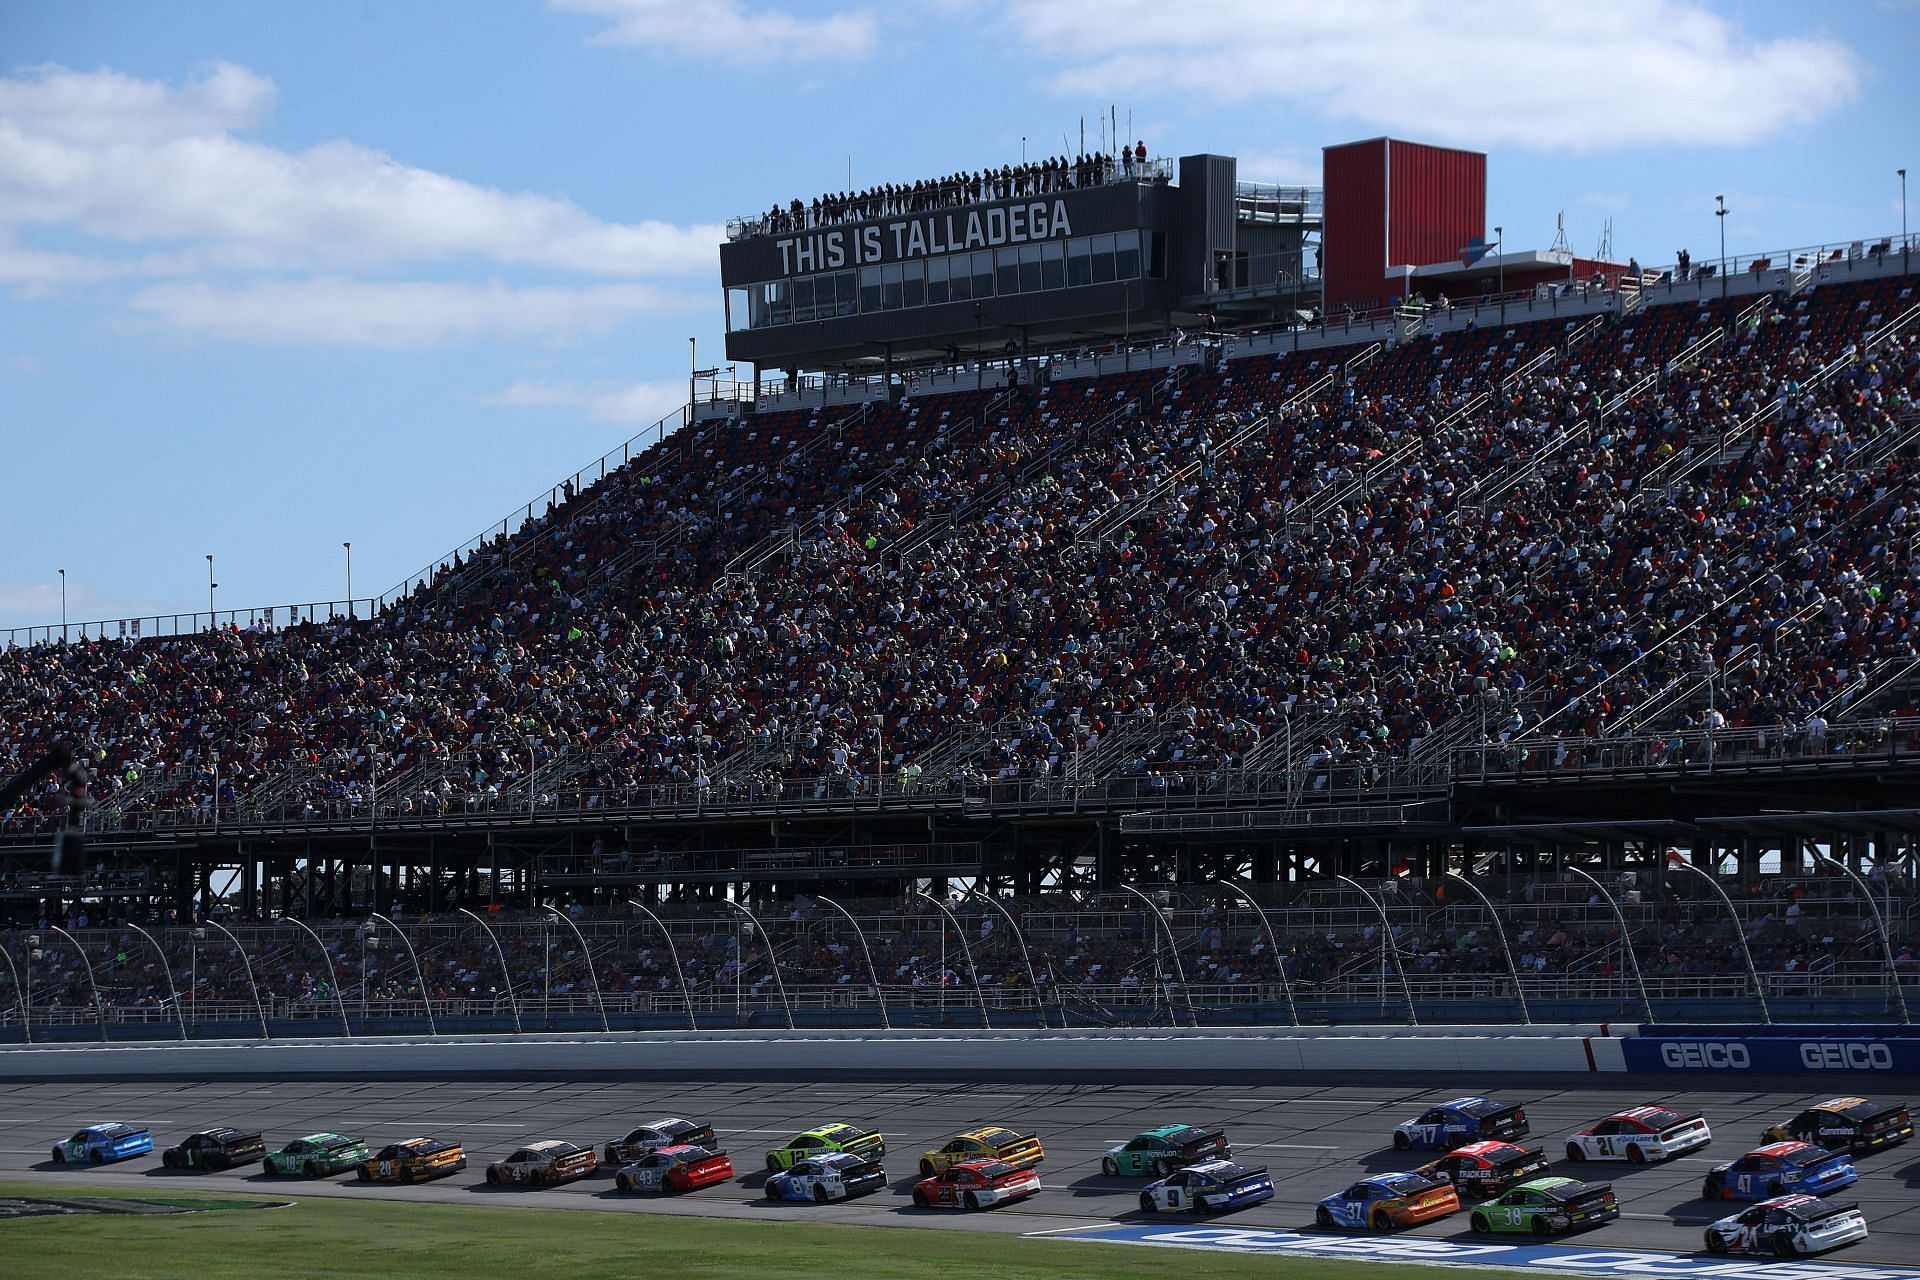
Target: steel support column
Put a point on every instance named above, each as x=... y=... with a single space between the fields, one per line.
x=1740 y=935
x=1026 y=957
x=333 y=977
x=966 y=950
x=879 y=992
x=246 y=963
x=426 y=993
x=500 y=954
x=1626 y=937
x=1880 y=922
x=1279 y=960
x=1173 y=945
x=99 y=1011
x=1499 y=930
x=586 y=956
x=680 y=975
x=179 y=1014
x=773 y=959
x=19 y=996
x=1393 y=946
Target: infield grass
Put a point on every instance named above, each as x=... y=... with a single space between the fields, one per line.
x=330 y=1237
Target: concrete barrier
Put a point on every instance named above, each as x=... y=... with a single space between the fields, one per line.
x=1166 y=1053
x=1815 y=1051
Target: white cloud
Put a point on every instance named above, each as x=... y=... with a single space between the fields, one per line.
x=729 y=29
x=1484 y=73
x=362 y=313
x=639 y=404
x=26 y=362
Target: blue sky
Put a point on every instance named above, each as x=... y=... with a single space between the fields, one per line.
x=278 y=276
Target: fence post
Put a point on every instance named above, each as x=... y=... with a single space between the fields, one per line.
x=773 y=957
x=1886 y=939
x=426 y=995
x=333 y=977
x=99 y=1010
x=1026 y=957
x=19 y=996
x=586 y=954
x=1740 y=933
x=1626 y=938
x=1173 y=945
x=1280 y=961
x=966 y=950
x=1520 y=994
x=259 y=1006
x=693 y=1024
x=513 y=1001
x=166 y=968
x=1393 y=945
x=878 y=991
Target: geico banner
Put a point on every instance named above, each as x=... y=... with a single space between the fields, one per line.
x=1784 y=1055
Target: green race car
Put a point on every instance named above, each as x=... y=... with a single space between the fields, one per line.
x=1549 y=1207
x=317 y=1155
x=1158 y=1152
x=826 y=1140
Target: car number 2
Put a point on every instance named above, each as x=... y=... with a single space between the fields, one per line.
x=1603 y=1145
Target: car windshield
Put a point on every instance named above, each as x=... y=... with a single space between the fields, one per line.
x=1403 y=1183
x=995 y=1169
x=1657 y=1118
x=1185 y=1135
x=999 y=1137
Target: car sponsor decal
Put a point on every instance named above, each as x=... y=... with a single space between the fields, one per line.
x=1778 y=1054
x=1559 y=1260
x=124 y=1206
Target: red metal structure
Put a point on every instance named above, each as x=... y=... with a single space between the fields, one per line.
x=1392 y=205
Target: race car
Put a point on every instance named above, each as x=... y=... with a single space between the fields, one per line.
x=1482 y=1169
x=829 y=1177
x=1548 y=1207
x=1462 y=1120
x=317 y=1155
x=975 y=1184
x=671 y=1170
x=543 y=1164
x=1847 y=1124
x=826 y=1139
x=1020 y=1151
x=1640 y=1134
x=1788 y=1225
x=1212 y=1186
x=1160 y=1151
x=1776 y=1169
x=215 y=1149
x=415 y=1160
x=656 y=1134
x=102 y=1143
x=1388 y=1200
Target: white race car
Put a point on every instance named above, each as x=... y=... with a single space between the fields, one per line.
x=1641 y=1135
x=838 y=1176
x=1788 y=1225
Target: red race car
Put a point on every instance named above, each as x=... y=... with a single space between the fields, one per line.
x=975 y=1184
x=1482 y=1169
x=671 y=1170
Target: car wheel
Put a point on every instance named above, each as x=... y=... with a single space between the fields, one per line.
x=1108 y=1165
x=1784 y=1246
x=364 y=1175
x=612 y=1156
x=926 y=1169
x=773 y=1163
x=623 y=1182
x=314 y=1169
x=1576 y=1152
x=1715 y=1244
x=1401 y=1142
x=1478 y=1222
x=1636 y=1154
x=1774 y=1189
x=920 y=1200
x=493 y=1177
x=1541 y=1227
x=820 y=1194
x=96 y=1157
x=1161 y=1168
x=1709 y=1190
x=59 y=1155
x=1202 y=1205
x=1322 y=1218
x=1381 y=1222
x=972 y=1201
x=1148 y=1204
x=166 y=1160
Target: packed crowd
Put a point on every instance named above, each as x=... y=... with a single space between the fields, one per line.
x=1030 y=178
x=1104 y=951
x=1151 y=582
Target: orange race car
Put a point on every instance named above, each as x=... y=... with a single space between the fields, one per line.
x=1388 y=1200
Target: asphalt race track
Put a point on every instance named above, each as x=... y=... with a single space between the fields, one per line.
x=1315 y=1139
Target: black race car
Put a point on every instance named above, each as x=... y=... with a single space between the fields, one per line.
x=215 y=1149
x=1847 y=1124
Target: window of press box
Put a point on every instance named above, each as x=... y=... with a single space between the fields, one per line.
x=739 y=313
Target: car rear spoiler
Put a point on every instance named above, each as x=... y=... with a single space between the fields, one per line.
x=1247 y=1175
x=1210 y=1138
x=862 y=1169
x=1882 y=1113
x=436 y=1148
x=1528 y=1153
x=1588 y=1191
x=1685 y=1118
x=1501 y=1115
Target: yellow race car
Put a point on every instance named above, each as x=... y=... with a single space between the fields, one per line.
x=415 y=1160
x=1004 y=1145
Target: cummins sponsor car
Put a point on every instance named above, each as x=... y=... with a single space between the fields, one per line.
x=1848 y=1124
x=1641 y=1134
x=1788 y=1225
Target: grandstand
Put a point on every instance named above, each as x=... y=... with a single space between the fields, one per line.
x=1613 y=575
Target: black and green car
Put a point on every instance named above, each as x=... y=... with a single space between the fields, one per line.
x=1549 y=1207
x=215 y=1149
x=827 y=1139
x=318 y=1155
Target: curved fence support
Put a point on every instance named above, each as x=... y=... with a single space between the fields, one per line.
x=1880 y=922
x=1173 y=945
x=99 y=1010
x=879 y=992
x=19 y=996
x=259 y=1005
x=1506 y=948
x=500 y=954
x=966 y=950
x=426 y=994
x=586 y=956
x=1279 y=960
x=1392 y=945
x=1026 y=957
x=1740 y=935
x=773 y=958
x=673 y=952
x=1626 y=937
x=180 y=1015
x=333 y=976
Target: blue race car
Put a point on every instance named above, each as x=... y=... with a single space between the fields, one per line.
x=101 y=1143
x=1455 y=1124
x=1778 y=1169
x=839 y=1175
x=1212 y=1186
x=1388 y=1200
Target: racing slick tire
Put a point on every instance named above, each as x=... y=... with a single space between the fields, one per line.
x=59 y=1155
x=1783 y=1246
x=623 y=1182
x=364 y=1175
x=314 y=1169
x=920 y=1200
x=1161 y=1168
x=1202 y=1205
x=612 y=1155
x=1636 y=1154
x=1541 y=1227
x=1576 y=1152
x=1401 y=1142
x=820 y=1194
x=1147 y=1203
x=1714 y=1243
x=169 y=1161
x=1478 y=1222
x=1775 y=1189
x=773 y=1163
x=1322 y=1219
x=926 y=1169
x=1710 y=1190
x=94 y=1157
x=1380 y=1220
x=1108 y=1165
x=971 y=1201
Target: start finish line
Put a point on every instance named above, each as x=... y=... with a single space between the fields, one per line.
x=1557 y=1259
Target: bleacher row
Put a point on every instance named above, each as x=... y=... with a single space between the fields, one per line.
x=1310 y=564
